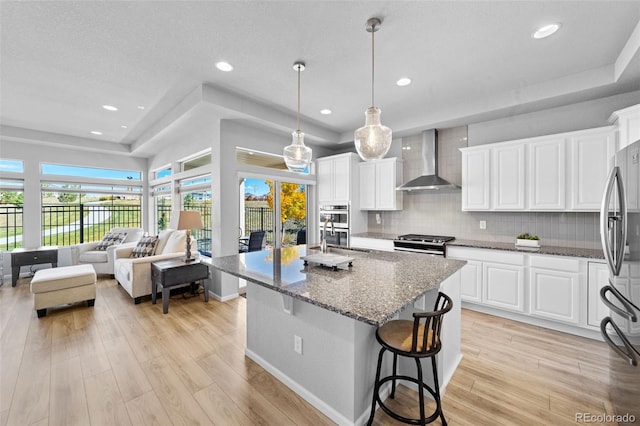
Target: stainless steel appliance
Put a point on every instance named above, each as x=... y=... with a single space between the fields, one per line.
x=339 y=215
x=620 y=234
x=431 y=244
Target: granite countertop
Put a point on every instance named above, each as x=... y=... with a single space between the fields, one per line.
x=377 y=286
x=376 y=235
x=550 y=250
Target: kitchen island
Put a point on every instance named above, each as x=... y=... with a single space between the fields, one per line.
x=313 y=328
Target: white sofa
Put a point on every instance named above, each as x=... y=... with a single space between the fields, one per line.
x=103 y=260
x=134 y=274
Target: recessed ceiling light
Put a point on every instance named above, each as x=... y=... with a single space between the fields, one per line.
x=404 y=81
x=224 y=66
x=109 y=107
x=140 y=107
x=95 y=132
x=546 y=31
x=123 y=126
x=325 y=111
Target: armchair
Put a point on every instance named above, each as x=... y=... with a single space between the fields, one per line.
x=103 y=260
x=134 y=274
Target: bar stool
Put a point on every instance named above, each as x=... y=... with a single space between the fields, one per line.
x=415 y=339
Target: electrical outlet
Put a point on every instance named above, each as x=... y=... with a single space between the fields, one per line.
x=378 y=218
x=483 y=224
x=297 y=344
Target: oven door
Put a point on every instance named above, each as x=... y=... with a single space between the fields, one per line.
x=340 y=237
x=401 y=245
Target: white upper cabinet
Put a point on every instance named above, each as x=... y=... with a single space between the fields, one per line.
x=628 y=125
x=335 y=178
x=378 y=182
x=547 y=166
x=476 y=181
x=507 y=187
x=588 y=170
x=563 y=172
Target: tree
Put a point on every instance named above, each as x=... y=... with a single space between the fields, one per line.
x=293 y=201
x=67 y=197
x=10 y=197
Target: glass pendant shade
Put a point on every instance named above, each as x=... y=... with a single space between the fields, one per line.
x=373 y=140
x=297 y=156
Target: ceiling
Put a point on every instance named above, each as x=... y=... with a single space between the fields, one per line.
x=60 y=61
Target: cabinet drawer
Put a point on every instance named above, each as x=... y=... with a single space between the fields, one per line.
x=555 y=262
x=497 y=256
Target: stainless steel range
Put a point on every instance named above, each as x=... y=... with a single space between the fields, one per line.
x=431 y=244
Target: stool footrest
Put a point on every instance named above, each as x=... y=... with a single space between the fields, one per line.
x=408 y=420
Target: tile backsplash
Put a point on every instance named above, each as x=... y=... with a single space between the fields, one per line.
x=438 y=213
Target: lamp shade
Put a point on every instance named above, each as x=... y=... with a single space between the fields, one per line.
x=189 y=219
x=373 y=140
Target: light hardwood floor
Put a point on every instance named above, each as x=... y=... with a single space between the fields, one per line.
x=120 y=364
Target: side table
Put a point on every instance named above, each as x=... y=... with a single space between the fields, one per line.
x=24 y=257
x=175 y=273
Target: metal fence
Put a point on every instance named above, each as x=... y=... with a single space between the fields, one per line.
x=63 y=225
x=10 y=227
x=259 y=219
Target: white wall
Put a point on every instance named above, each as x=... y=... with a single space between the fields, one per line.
x=578 y=116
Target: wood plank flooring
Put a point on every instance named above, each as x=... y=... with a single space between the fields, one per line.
x=125 y=364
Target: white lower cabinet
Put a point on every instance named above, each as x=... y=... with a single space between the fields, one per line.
x=503 y=286
x=553 y=291
x=597 y=278
x=371 y=243
x=554 y=295
x=471 y=281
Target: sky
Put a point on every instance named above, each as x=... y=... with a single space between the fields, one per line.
x=256 y=186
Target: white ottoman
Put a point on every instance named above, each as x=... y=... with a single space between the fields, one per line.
x=59 y=286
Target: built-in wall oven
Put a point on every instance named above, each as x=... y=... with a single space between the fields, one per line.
x=338 y=215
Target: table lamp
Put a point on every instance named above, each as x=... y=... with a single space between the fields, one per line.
x=188 y=220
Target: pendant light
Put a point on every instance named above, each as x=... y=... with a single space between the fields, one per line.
x=373 y=140
x=297 y=156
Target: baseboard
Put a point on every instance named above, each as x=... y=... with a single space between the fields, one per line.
x=225 y=298
x=311 y=398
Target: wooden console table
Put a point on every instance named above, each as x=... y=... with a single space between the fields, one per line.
x=24 y=257
x=175 y=273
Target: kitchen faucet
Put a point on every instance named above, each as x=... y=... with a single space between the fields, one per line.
x=323 y=237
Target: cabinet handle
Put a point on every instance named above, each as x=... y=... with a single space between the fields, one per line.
x=629 y=353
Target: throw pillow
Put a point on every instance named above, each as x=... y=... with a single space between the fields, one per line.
x=145 y=247
x=110 y=239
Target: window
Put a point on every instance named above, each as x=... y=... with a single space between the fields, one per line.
x=195 y=162
x=80 y=204
x=162 y=198
x=162 y=173
x=200 y=201
x=11 y=207
x=12 y=166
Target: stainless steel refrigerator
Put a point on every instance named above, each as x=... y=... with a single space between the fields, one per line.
x=620 y=234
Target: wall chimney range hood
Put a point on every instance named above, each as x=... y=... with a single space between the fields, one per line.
x=423 y=159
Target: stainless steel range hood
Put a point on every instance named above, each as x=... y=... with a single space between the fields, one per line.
x=423 y=157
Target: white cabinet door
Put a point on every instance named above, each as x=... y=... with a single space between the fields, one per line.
x=555 y=295
x=503 y=286
x=476 y=180
x=324 y=179
x=589 y=163
x=547 y=174
x=598 y=277
x=388 y=174
x=471 y=281
x=367 y=185
x=341 y=178
x=507 y=184
x=378 y=182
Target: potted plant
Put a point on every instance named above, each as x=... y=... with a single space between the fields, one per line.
x=527 y=240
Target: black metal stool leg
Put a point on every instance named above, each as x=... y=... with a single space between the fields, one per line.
x=437 y=391
x=376 y=388
x=393 y=382
x=420 y=390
